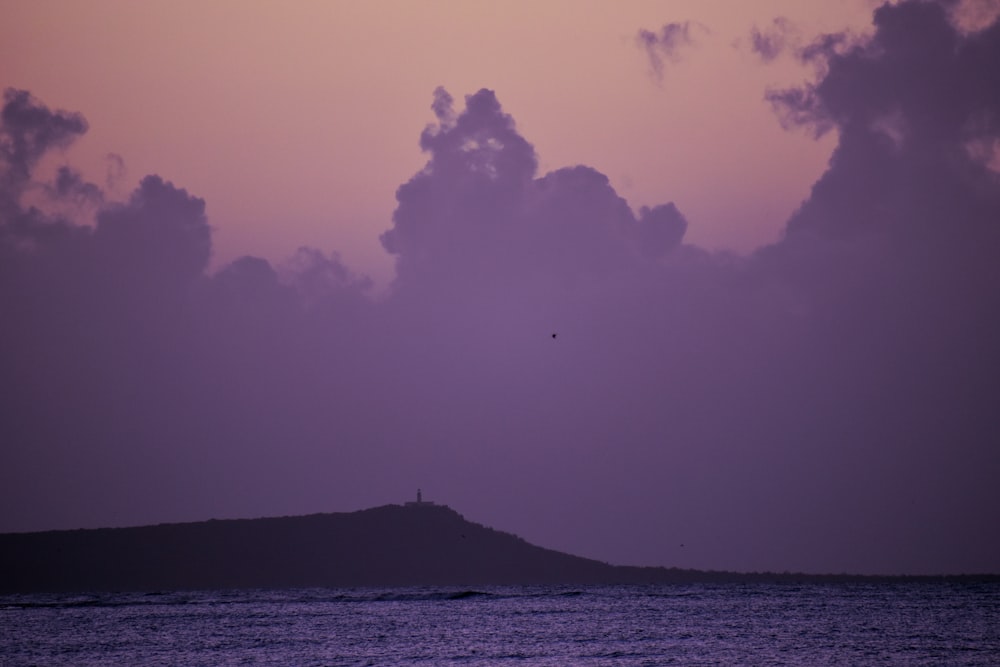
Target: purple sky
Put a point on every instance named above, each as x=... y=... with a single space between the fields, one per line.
x=824 y=403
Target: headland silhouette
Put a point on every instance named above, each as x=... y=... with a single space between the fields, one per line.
x=417 y=544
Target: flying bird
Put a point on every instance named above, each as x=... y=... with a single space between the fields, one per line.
x=553 y=335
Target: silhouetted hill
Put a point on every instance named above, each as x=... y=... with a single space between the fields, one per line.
x=390 y=545
x=385 y=546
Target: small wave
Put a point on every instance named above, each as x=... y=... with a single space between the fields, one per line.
x=54 y=604
x=422 y=596
x=465 y=595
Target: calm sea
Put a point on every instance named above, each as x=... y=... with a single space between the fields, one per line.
x=843 y=624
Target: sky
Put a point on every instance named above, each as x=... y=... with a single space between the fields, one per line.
x=324 y=101
x=694 y=284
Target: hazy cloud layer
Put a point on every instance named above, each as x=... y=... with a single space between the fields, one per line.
x=825 y=404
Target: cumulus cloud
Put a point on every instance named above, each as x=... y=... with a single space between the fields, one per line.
x=29 y=130
x=323 y=280
x=156 y=370
x=160 y=230
x=896 y=244
x=826 y=403
x=478 y=210
x=900 y=155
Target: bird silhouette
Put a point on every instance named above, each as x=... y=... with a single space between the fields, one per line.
x=553 y=335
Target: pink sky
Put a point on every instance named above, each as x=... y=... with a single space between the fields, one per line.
x=322 y=102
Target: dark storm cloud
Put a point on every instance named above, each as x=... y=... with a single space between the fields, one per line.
x=665 y=45
x=826 y=403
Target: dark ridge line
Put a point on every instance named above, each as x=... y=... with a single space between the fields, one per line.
x=417 y=544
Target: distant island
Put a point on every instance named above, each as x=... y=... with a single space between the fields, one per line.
x=416 y=544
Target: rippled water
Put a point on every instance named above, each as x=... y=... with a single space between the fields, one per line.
x=844 y=624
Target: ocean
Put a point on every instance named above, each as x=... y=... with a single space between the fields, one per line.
x=719 y=624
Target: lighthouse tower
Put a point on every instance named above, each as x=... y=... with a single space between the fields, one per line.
x=419 y=502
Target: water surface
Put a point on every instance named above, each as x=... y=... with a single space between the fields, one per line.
x=731 y=624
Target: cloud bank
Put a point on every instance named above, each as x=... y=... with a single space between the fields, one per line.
x=824 y=404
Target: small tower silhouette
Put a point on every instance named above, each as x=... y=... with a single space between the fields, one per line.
x=419 y=502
